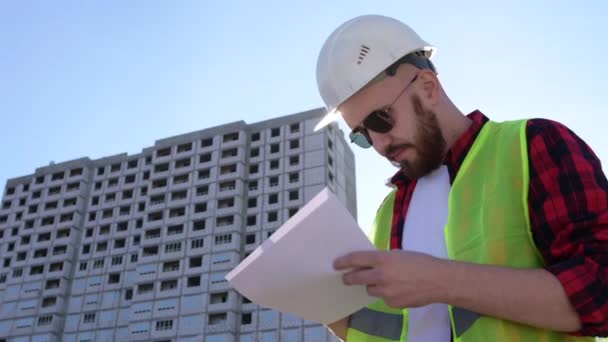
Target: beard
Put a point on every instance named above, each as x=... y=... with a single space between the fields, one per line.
x=428 y=142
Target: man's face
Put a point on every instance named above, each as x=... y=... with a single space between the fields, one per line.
x=415 y=143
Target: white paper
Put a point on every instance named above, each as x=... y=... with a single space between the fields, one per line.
x=292 y=271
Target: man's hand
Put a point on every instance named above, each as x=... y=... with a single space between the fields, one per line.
x=402 y=279
x=407 y=279
x=340 y=328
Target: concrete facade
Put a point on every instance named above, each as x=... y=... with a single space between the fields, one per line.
x=136 y=247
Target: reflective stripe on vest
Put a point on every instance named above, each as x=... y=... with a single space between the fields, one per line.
x=463 y=320
x=378 y=323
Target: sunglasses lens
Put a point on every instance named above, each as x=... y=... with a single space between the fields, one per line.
x=379 y=121
x=360 y=139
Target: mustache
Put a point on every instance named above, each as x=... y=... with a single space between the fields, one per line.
x=394 y=148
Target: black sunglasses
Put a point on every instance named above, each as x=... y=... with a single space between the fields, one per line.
x=379 y=121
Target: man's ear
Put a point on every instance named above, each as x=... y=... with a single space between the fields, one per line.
x=430 y=88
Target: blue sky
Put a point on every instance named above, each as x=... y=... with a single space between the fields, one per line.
x=98 y=78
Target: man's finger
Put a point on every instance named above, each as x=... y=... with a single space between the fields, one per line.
x=367 y=276
x=374 y=291
x=365 y=259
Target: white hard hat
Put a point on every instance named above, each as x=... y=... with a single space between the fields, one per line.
x=356 y=52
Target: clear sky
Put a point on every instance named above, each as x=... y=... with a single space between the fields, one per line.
x=98 y=78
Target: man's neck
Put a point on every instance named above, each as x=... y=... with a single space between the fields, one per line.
x=454 y=125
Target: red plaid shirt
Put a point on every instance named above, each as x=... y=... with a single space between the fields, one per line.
x=568 y=206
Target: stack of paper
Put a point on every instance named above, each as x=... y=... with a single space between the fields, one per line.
x=292 y=271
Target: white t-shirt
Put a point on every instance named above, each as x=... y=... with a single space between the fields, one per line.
x=423 y=231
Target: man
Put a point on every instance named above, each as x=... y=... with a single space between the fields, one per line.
x=495 y=231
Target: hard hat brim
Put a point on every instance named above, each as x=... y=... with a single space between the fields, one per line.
x=330 y=117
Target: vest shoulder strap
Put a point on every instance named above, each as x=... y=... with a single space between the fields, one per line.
x=380 y=232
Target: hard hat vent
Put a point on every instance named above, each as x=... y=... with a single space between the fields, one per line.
x=362 y=53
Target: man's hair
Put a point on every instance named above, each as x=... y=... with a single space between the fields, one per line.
x=417 y=59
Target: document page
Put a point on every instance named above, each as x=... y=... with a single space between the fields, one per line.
x=292 y=271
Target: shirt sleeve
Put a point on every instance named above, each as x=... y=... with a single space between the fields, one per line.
x=568 y=206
